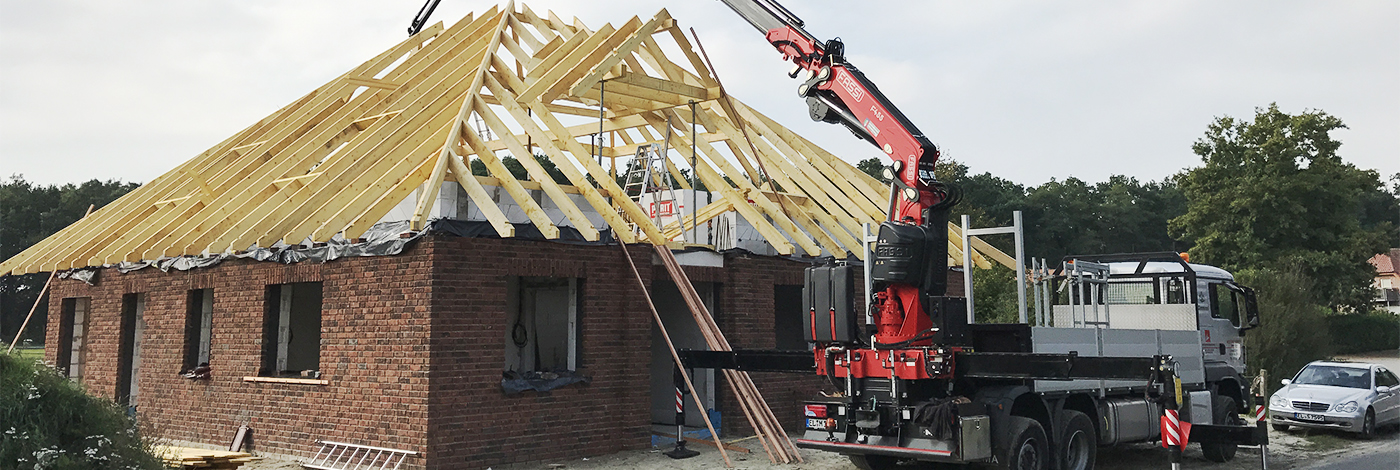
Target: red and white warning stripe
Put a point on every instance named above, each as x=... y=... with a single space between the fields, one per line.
x=1174 y=432
x=680 y=401
x=1171 y=429
x=1259 y=414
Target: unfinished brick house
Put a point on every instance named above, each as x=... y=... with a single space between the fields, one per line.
x=347 y=276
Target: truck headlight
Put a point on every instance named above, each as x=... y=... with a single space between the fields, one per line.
x=1348 y=407
x=1277 y=401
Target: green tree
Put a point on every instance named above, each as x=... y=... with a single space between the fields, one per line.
x=29 y=213
x=874 y=167
x=1292 y=326
x=1273 y=192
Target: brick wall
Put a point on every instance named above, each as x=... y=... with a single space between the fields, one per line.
x=473 y=423
x=373 y=352
x=388 y=321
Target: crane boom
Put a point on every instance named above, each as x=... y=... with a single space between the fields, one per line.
x=837 y=92
x=909 y=267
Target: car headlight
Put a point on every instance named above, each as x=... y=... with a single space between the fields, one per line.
x=1277 y=401
x=1348 y=407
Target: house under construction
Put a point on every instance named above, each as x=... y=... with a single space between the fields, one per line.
x=362 y=265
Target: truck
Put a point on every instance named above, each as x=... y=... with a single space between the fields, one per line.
x=1119 y=345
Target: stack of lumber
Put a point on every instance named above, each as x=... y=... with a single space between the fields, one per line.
x=188 y=457
x=769 y=430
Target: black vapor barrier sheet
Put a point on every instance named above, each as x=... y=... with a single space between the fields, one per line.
x=383 y=239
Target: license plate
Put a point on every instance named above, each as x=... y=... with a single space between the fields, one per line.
x=816 y=423
x=1308 y=417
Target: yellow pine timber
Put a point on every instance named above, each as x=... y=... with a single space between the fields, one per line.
x=556 y=155
x=430 y=194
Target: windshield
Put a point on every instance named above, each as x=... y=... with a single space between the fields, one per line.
x=1350 y=377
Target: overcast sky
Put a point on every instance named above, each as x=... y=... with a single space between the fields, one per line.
x=1025 y=90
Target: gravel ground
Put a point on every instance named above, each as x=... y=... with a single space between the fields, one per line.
x=1287 y=450
x=1291 y=450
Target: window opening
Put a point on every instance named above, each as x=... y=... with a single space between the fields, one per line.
x=133 y=326
x=292 y=330
x=543 y=332
x=787 y=318
x=199 y=322
x=73 y=325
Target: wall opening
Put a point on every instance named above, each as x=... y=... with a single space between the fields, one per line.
x=787 y=318
x=199 y=324
x=292 y=331
x=543 y=330
x=133 y=326
x=72 y=337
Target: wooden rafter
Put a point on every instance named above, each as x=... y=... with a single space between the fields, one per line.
x=509 y=81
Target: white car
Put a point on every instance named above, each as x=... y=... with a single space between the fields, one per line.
x=1349 y=396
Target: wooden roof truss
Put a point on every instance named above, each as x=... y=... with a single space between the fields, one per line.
x=397 y=126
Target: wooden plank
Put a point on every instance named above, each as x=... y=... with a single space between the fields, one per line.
x=556 y=155
x=521 y=196
x=705 y=214
x=704 y=73
x=538 y=83
x=420 y=213
x=813 y=228
x=681 y=91
x=713 y=181
x=768 y=207
x=585 y=63
x=358 y=168
x=284 y=380
x=622 y=50
x=483 y=201
x=371 y=82
x=600 y=175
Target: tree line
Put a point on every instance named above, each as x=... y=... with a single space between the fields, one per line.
x=1271 y=200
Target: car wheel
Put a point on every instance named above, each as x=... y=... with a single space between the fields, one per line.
x=1368 y=424
x=1225 y=412
x=1279 y=427
x=1076 y=441
x=1027 y=449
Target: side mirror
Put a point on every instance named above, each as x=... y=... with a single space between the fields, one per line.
x=1251 y=308
x=1285 y=381
x=1383 y=389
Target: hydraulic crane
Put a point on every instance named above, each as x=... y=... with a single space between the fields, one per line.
x=923 y=382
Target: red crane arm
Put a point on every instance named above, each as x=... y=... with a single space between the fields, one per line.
x=837 y=92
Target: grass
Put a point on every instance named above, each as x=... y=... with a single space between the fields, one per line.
x=30 y=354
x=50 y=422
x=1322 y=441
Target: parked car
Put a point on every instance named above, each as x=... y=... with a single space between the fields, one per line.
x=1349 y=396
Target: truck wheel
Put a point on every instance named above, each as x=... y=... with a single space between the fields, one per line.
x=1077 y=443
x=1225 y=412
x=1028 y=449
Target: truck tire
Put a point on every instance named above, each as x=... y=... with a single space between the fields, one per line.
x=1076 y=441
x=1028 y=448
x=1225 y=412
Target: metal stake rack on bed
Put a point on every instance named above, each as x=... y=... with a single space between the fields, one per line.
x=343 y=456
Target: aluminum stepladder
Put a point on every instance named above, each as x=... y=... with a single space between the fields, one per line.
x=648 y=175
